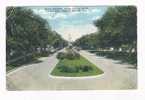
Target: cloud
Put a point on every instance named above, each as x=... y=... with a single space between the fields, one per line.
x=74 y=23
x=96 y=17
x=76 y=31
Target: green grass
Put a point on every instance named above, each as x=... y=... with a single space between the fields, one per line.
x=76 y=62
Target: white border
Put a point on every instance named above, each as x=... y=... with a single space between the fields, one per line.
x=138 y=94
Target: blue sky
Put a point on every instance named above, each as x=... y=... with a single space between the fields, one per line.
x=74 y=21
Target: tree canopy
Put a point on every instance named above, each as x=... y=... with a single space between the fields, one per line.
x=27 y=31
x=117 y=28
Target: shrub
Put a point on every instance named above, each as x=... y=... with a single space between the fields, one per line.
x=77 y=55
x=69 y=69
x=61 y=55
x=44 y=54
x=74 y=69
x=86 y=68
x=70 y=54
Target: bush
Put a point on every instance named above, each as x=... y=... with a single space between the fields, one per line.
x=68 y=55
x=71 y=54
x=44 y=54
x=86 y=68
x=61 y=55
x=122 y=56
x=69 y=69
x=77 y=55
x=74 y=69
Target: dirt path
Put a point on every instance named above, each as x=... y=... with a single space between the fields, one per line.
x=36 y=76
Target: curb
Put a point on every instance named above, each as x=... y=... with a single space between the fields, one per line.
x=81 y=77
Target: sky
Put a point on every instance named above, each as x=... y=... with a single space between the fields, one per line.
x=69 y=21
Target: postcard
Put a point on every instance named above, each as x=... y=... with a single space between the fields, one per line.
x=71 y=48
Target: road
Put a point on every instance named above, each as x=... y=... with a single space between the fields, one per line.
x=37 y=76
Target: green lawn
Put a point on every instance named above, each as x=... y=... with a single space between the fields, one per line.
x=76 y=62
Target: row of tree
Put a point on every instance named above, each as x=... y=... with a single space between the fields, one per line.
x=87 y=41
x=26 y=32
x=117 y=29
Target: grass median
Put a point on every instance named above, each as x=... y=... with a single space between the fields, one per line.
x=75 y=68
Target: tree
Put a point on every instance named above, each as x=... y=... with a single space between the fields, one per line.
x=26 y=32
x=118 y=27
x=87 y=41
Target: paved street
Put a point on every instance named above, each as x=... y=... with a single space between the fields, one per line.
x=37 y=76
